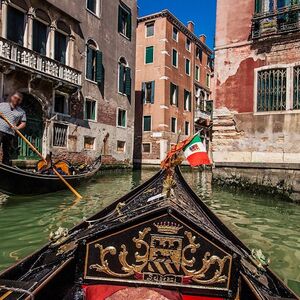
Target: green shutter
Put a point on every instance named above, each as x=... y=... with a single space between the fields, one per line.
x=152 y=91
x=99 y=67
x=128 y=82
x=89 y=63
x=129 y=26
x=258 y=6
x=121 y=78
x=149 y=55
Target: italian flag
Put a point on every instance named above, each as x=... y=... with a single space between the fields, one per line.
x=195 y=152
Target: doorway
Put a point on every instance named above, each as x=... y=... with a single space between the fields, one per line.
x=34 y=129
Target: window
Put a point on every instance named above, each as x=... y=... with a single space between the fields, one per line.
x=174 y=91
x=148 y=91
x=90 y=110
x=121 y=146
x=39 y=37
x=89 y=143
x=175 y=58
x=93 y=6
x=271 y=90
x=199 y=53
x=149 y=55
x=147 y=123
x=208 y=80
x=60 y=47
x=124 y=22
x=94 y=66
x=187 y=100
x=15 y=25
x=187 y=66
x=197 y=73
x=61 y=104
x=175 y=34
x=146 y=148
x=124 y=85
x=173 y=125
x=59 y=135
x=187 y=128
x=122 y=118
x=150 y=30
x=188 y=45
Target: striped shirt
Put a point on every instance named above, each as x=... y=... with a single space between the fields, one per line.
x=14 y=115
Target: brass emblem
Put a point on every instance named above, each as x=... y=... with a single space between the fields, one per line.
x=169 y=254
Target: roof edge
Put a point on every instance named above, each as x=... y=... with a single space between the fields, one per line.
x=165 y=13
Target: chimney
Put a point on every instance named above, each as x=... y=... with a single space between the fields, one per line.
x=191 y=26
x=202 y=38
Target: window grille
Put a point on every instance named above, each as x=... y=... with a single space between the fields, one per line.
x=60 y=135
x=296 y=98
x=271 y=90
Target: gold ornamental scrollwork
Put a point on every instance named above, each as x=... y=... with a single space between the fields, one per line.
x=165 y=252
x=129 y=270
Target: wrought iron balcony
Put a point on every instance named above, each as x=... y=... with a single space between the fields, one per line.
x=17 y=55
x=276 y=22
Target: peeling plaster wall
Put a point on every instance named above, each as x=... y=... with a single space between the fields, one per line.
x=240 y=134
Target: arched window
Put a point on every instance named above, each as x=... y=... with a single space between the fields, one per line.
x=16 y=12
x=124 y=77
x=94 y=66
x=61 y=41
x=40 y=31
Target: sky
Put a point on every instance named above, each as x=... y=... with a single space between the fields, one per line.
x=201 y=12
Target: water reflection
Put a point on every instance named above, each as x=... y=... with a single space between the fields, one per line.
x=260 y=221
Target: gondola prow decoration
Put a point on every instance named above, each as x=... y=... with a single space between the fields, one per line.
x=78 y=196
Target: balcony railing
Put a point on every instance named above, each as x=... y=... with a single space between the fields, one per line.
x=23 y=57
x=276 y=22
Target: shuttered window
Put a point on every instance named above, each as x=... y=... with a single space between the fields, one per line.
x=125 y=22
x=150 y=30
x=173 y=125
x=122 y=117
x=174 y=91
x=271 y=90
x=149 y=55
x=187 y=128
x=125 y=80
x=60 y=47
x=187 y=66
x=147 y=123
x=90 y=110
x=94 y=65
x=15 y=25
x=187 y=100
x=148 y=92
x=39 y=37
x=60 y=135
x=175 y=58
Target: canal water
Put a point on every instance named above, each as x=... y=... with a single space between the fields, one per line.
x=261 y=222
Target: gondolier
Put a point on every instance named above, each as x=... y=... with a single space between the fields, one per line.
x=17 y=116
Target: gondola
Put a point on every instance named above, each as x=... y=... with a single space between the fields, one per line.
x=158 y=242
x=15 y=181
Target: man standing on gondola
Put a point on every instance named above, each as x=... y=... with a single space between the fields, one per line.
x=17 y=116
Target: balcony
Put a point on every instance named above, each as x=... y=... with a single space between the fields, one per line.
x=204 y=111
x=17 y=55
x=276 y=22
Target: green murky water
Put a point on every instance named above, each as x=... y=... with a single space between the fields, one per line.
x=260 y=221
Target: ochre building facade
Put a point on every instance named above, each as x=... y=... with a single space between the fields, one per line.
x=173 y=74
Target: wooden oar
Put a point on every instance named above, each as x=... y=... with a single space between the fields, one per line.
x=41 y=156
